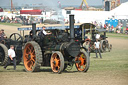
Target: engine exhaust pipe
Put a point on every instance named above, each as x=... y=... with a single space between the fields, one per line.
x=71 y=19
x=33 y=29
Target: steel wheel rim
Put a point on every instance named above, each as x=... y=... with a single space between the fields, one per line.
x=29 y=57
x=55 y=62
x=104 y=46
x=82 y=64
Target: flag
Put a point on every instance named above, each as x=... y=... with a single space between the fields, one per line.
x=59 y=4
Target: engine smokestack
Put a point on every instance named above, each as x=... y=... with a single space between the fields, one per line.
x=71 y=19
x=33 y=29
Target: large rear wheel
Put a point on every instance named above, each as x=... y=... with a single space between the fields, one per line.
x=32 y=57
x=3 y=54
x=57 y=62
x=82 y=61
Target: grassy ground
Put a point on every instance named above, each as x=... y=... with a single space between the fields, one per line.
x=10 y=24
x=116 y=60
x=115 y=35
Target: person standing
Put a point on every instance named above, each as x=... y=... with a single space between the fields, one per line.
x=126 y=29
x=97 y=48
x=86 y=44
x=119 y=28
x=11 y=57
x=109 y=26
x=112 y=29
x=105 y=26
x=101 y=25
x=122 y=28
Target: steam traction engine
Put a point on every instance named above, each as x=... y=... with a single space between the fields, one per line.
x=57 y=50
x=14 y=39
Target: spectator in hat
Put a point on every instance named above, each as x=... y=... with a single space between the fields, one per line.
x=3 y=34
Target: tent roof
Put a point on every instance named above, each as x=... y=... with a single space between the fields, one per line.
x=121 y=10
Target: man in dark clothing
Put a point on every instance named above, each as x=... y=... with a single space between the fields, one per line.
x=2 y=37
x=42 y=33
x=3 y=34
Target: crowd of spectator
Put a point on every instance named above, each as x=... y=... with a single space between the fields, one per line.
x=21 y=20
x=118 y=29
x=29 y=20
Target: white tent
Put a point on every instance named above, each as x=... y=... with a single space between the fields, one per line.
x=120 y=12
x=87 y=16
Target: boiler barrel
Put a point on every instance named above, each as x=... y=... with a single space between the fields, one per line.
x=69 y=48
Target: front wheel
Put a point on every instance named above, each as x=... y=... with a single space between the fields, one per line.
x=82 y=61
x=57 y=62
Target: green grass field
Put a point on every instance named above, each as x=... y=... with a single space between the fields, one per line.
x=114 y=35
x=10 y=24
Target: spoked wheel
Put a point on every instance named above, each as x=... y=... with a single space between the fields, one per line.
x=82 y=61
x=103 y=46
x=57 y=62
x=3 y=54
x=32 y=57
x=16 y=37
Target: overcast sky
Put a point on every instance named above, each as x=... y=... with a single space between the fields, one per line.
x=48 y=2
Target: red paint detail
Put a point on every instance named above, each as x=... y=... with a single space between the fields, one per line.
x=31 y=12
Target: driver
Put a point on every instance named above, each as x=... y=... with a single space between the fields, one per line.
x=43 y=32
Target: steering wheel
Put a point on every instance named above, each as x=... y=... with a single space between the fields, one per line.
x=16 y=37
